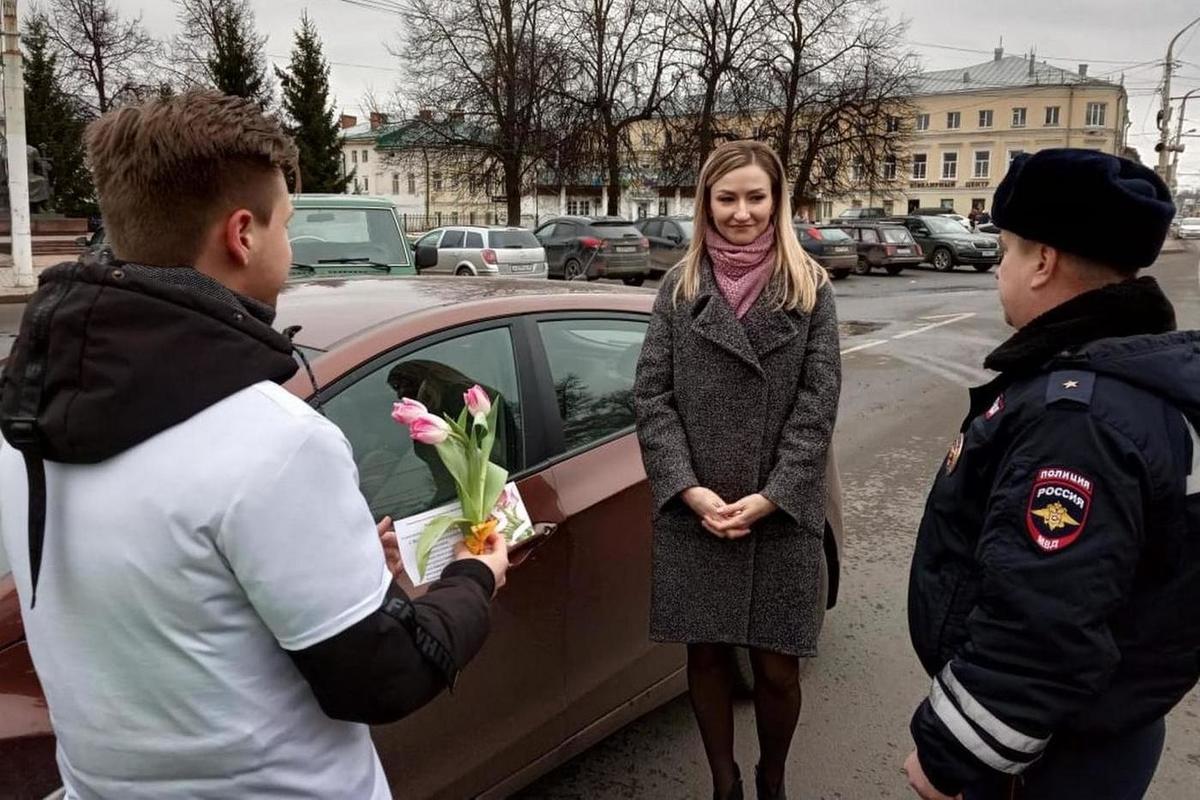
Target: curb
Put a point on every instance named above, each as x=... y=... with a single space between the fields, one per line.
x=15 y=299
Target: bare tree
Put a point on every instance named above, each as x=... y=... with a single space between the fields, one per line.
x=488 y=68
x=836 y=84
x=104 y=57
x=719 y=42
x=621 y=54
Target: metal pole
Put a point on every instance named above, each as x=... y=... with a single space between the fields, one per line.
x=14 y=134
x=1178 y=144
x=1164 y=124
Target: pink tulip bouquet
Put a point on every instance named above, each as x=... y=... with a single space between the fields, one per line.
x=465 y=447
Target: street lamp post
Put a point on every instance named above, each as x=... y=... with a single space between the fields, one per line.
x=1164 y=123
x=1178 y=145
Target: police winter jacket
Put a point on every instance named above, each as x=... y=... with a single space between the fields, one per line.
x=110 y=354
x=1056 y=579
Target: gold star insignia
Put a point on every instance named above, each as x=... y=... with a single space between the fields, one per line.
x=1055 y=516
x=1071 y=384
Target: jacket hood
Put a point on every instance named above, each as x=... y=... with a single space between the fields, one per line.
x=110 y=354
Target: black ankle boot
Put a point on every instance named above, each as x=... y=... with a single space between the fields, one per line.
x=735 y=792
x=760 y=786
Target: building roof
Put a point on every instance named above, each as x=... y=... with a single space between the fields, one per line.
x=1006 y=72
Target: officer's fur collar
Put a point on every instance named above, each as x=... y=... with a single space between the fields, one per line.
x=1129 y=308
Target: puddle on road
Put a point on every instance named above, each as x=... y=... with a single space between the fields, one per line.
x=855 y=327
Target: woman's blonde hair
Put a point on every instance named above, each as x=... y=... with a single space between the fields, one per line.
x=795 y=277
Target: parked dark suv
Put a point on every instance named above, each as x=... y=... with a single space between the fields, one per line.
x=883 y=245
x=595 y=247
x=947 y=244
x=669 y=239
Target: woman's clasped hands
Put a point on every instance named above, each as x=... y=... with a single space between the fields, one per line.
x=727 y=520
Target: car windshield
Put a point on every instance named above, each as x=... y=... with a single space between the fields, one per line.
x=944 y=225
x=896 y=235
x=513 y=240
x=833 y=234
x=345 y=235
x=1191 y=222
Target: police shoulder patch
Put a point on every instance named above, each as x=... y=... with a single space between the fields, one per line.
x=1059 y=504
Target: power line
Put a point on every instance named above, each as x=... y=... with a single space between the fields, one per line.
x=989 y=52
x=343 y=63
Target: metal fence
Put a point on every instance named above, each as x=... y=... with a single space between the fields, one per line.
x=419 y=223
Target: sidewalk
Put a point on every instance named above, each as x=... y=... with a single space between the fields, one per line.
x=9 y=291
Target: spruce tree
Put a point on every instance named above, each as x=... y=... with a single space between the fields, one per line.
x=312 y=122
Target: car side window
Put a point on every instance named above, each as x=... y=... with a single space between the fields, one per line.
x=474 y=240
x=565 y=230
x=400 y=477
x=593 y=363
x=653 y=228
x=869 y=236
x=430 y=238
x=545 y=232
x=452 y=239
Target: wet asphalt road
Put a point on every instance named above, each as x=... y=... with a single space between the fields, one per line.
x=912 y=345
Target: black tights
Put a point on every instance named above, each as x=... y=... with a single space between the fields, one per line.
x=776 y=708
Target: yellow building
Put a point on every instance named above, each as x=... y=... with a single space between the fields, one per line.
x=971 y=122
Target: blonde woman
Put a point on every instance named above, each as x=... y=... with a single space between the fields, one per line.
x=736 y=395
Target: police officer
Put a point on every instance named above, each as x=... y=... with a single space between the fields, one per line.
x=1055 y=589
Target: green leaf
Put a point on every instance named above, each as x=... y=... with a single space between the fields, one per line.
x=489 y=438
x=434 y=531
x=495 y=479
x=458 y=464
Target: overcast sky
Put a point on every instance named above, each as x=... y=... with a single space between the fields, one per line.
x=1112 y=36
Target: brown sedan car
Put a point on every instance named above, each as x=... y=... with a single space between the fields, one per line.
x=568 y=661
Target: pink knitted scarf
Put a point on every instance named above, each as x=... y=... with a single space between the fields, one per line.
x=742 y=270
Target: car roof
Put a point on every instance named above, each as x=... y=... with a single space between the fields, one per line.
x=332 y=310
x=301 y=201
x=586 y=219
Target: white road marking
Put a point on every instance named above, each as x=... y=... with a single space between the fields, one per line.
x=950 y=321
x=945 y=319
x=864 y=346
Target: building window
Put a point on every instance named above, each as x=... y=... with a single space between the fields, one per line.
x=920 y=166
x=647 y=139
x=1095 y=114
x=1051 y=116
x=453 y=217
x=662 y=208
x=953 y=120
x=395 y=183
x=856 y=169
x=827 y=209
x=357 y=188
x=366 y=184
x=893 y=124
x=922 y=122
x=889 y=208
x=365 y=156
x=575 y=207
x=437 y=181
x=353 y=156
x=412 y=183
x=985 y=118
x=1018 y=119
x=949 y=166
x=947 y=203
x=1013 y=154
x=889 y=168
x=983 y=163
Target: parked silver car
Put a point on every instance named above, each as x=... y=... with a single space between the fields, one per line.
x=1189 y=228
x=476 y=250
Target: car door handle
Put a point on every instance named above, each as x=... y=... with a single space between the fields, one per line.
x=521 y=552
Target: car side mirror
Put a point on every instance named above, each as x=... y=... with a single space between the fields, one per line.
x=427 y=256
x=675 y=239
x=82 y=241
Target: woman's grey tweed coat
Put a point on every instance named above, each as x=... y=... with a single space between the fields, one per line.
x=738 y=407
